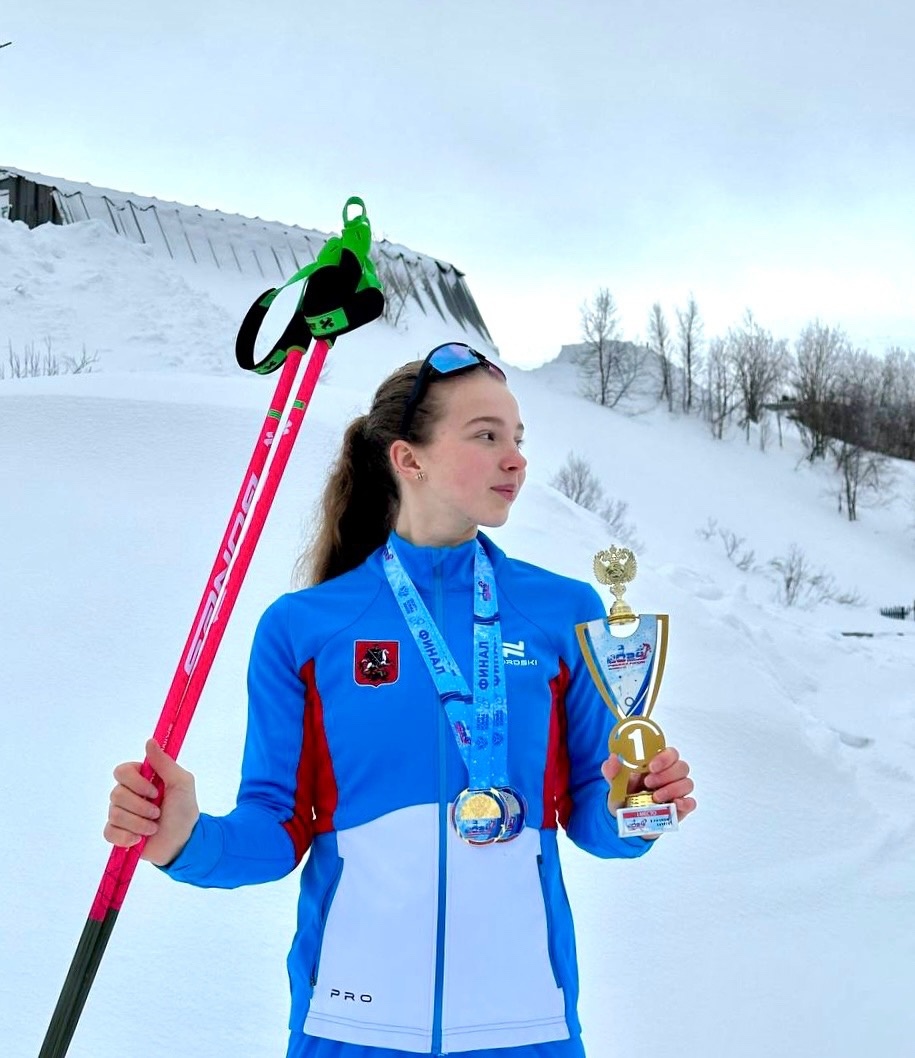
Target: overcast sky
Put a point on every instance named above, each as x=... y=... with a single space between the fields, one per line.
x=758 y=153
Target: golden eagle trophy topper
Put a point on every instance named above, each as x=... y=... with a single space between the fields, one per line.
x=625 y=654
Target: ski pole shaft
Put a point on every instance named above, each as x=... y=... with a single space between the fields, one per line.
x=176 y=731
x=206 y=633
x=214 y=582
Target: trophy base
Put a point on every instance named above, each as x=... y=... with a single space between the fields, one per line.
x=640 y=817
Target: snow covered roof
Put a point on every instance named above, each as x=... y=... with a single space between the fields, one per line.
x=231 y=242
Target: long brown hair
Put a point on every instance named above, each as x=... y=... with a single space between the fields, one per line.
x=360 y=502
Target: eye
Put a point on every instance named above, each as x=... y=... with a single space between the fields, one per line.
x=519 y=441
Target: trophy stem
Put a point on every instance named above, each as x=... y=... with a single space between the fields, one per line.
x=621 y=612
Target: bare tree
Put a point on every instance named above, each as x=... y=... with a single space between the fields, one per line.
x=577 y=480
x=721 y=389
x=660 y=344
x=759 y=363
x=797 y=582
x=689 y=328
x=608 y=368
x=895 y=412
x=852 y=427
x=859 y=470
x=596 y=359
x=599 y=326
x=818 y=352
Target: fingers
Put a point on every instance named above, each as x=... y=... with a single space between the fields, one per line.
x=672 y=791
x=131 y=812
x=669 y=781
x=684 y=806
x=125 y=839
x=667 y=758
x=140 y=826
x=610 y=767
x=125 y=802
x=130 y=818
x=128 y=775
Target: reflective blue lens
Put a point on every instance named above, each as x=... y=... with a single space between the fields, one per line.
x=454 y=357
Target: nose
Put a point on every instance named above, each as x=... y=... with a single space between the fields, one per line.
x=514 y=460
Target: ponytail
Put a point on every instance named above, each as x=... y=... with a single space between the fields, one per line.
x=357 y=509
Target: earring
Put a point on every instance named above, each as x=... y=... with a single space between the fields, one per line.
x=420 y=476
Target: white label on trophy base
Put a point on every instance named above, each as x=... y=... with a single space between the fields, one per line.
x=646 y=820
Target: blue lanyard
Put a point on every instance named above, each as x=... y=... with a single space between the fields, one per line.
x=478 y=718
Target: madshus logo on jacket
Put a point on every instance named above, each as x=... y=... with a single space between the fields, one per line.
x=376 y=662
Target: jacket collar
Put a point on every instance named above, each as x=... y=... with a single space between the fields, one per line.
x=453 y=566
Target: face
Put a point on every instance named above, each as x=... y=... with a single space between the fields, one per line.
x=473 y=467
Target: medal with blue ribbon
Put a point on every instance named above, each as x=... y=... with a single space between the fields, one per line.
x=489 y=810
x=625 y=653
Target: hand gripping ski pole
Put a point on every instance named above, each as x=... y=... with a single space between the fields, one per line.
x=347 y=302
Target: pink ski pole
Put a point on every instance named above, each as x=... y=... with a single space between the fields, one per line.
x=220 y=594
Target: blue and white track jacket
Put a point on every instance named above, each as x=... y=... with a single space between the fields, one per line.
x=408 y=938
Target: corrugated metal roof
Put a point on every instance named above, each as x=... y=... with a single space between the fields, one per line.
x=229 y=241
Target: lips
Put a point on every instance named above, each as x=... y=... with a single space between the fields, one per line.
x=508 y=492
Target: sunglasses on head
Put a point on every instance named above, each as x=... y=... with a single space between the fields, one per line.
x=442 y=362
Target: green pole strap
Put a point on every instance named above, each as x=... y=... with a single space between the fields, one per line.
x=356 y=237
x=341 y=291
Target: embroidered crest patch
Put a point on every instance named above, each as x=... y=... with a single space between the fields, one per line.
x=376 y=662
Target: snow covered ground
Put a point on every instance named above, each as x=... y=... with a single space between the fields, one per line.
x=780 y=920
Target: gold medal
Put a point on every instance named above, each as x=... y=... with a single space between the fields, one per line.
x=479 y=816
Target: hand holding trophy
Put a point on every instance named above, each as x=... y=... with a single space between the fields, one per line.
x=625 y=653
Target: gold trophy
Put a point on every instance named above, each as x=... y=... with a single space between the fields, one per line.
x=625 y=654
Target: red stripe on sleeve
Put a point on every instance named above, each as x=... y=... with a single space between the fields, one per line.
x=315 y=786
x=557 y=802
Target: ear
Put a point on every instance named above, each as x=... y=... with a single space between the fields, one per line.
x=404 y=459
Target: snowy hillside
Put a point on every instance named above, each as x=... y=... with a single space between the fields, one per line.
x=781 y=919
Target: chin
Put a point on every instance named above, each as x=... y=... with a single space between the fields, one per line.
x=493 y=521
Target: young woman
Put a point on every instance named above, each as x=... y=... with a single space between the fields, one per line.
x=432 y=917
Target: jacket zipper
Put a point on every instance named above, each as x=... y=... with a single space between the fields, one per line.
x=442 y=844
